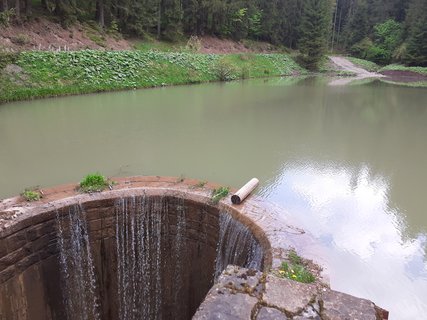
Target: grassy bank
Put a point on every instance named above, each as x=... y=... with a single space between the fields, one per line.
x=372 y=66
x=365 y=64
x=398 y=67
x=43 y=74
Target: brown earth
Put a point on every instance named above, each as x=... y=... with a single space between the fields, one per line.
x=42 y=34
x=222 y=46
x=403 y=76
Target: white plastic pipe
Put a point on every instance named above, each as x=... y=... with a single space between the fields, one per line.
x=244 y=191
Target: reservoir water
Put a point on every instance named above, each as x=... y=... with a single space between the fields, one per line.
x=349 y=163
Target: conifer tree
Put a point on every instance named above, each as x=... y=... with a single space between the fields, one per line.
x=314 y=31
x=417 y=40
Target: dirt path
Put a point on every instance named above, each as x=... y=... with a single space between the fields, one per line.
x=346 y=65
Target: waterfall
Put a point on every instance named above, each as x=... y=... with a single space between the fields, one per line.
x=77 y=268
x=236 y=245
x=140 y=224
x=161 y=268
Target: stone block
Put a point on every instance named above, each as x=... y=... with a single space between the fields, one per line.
x=337 y=306
x=288 y=295
x=271 y=314
x=221 y=304
x=240 y=279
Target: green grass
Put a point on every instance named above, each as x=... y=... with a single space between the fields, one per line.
x=295 y=269
x=94 y=182
x=219 y=193
x=31 y=195
x=161 y=46
x=49 y=74
x=398 y=67
x=365 y=64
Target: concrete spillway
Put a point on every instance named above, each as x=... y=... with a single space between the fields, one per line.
x=143 y=253
x=155 y=248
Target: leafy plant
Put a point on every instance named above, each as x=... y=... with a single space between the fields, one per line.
x=295 y=269
x=6 y=17
x=219 y=193
x=225 y=70
x=94 y=183
x=31 y=195
x=199 y=184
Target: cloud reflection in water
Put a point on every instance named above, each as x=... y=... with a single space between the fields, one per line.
x=348 y=211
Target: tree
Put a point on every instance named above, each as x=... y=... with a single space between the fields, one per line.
x=417 y=35
x=314 y=30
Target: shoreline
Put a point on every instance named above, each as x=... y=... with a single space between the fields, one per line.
x=34 y=75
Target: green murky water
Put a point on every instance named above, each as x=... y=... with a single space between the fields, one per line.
x=349 y=162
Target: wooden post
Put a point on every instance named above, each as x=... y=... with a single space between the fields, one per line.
x=244 y=191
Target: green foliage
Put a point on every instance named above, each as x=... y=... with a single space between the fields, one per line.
x=417 y=40
x=255 y=26
x=387 y=38
x=295 y=269
x=7 y=58
x=398 y=67
x=361 y=48
x=219 y=193
x=365 y=64
x=200 y=184
x=314 y=32
x=225 y=70
x=31 y=194
x=94 y=182
x=378 y=55
x=59 y=73
x=6 y=17
x=296 y=272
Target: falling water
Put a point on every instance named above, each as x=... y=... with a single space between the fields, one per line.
x=77 y=268
x=140 y=224
x=155 y=243
x=236 y=245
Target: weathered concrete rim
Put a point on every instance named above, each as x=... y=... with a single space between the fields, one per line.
x=17 y=214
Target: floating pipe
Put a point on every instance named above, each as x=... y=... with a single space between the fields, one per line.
x=244 y=191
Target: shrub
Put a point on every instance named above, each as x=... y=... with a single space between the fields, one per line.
x=7 y=58
x=361 y=48
x=225 y=70
x=220 y=193
x=94 y=183
x=295 y=269
x=378 y=55
x=21 y=39
x=31 y=195
x=6 y=17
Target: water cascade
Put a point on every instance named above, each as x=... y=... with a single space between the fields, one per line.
x=77 y=267
x=166 y=255
x=236 y=245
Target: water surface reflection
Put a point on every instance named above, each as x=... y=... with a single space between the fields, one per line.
x=348 y=162
x=349 y=211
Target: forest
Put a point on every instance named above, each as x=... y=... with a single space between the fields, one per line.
x=383 y=31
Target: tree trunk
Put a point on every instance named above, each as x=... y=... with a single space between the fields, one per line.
x=44 y=4
x=159 y=20
x=100 y=10
x=28 y=7
x=18 y=9
x=5 y=5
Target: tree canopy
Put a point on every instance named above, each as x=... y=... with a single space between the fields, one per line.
x=380 y=30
